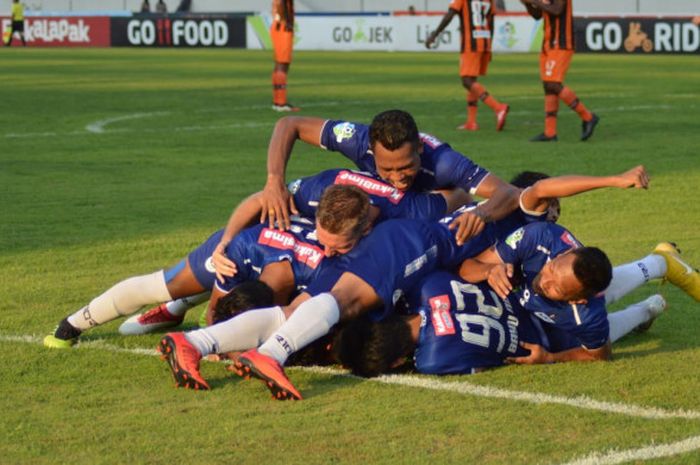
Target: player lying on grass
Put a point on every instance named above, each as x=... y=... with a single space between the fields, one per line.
x=191 y=280
x=455 y=327
x=372 y=276
x=392 y=148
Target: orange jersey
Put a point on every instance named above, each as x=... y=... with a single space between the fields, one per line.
x=283 y=11
x=476 y=18
x=559 y=30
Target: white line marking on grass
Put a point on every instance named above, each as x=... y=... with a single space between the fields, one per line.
x=98 y=127
x=612 y=457
x=466 y=388
x=652 y=451
x=583 y=402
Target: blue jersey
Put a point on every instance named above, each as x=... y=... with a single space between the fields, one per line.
x=441 y=166
x=392 y=203
x=529 y=249
x=466 y=326
x=258 y=246
x=493 y=232
x=396 y=255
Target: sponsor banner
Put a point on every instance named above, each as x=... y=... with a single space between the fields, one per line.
x=73 y=31
x=637 y=35
x=514 y=33
x=179 y=31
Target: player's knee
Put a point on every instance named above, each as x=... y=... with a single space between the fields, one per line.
x=552 y=87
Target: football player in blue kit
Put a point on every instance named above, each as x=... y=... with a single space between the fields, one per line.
x=451 y=326
x=567 y=287
x=190 y=282
x=391 y=147
x=386 y=202
x=371 y=276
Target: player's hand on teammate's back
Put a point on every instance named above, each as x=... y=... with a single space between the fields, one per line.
x=468 y=225
x=499 y=277
x=223 y=266
x=538 y=354
x=276 y=204
x=636 y=177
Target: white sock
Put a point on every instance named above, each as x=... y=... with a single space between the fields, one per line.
x=310 y=321
x=245 y=331
x=624 y=321
x=180 y=306
x=124 y=298
x=630 y=276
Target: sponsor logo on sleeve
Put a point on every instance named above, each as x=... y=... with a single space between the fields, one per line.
x=294 y=186
x=430 y=141
x=343 y=131
x=568 y=239
x=370 y=185
x=514 y=238
x=440 y=315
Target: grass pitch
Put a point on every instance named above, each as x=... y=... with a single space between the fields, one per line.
x=117 y=162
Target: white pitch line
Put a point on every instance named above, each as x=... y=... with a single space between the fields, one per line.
x=653 y=451
x=465 y=388
x=98 y=127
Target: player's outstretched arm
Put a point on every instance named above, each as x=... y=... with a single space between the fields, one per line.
x=539 y=354
x=441 y=27
x=535 y=198
x=276 y=201
x=243 y=216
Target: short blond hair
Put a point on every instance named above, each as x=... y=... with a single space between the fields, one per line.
x=343 y=210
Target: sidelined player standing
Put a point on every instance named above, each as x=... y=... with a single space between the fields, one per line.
x=282 y=35
x=555 y=58
x=476 y=18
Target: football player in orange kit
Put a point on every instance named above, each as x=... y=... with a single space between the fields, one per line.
x=557 y=51
x=282 y=35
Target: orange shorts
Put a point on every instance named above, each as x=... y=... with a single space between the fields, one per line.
x=281 y=42
x=474 y=63
x=554 y=64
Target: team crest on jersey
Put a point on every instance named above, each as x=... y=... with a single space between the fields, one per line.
x=430 y=141
x=305 y=253
x=570 y=240
x=515 y=237
x=343 y=131
x=440 y=315
x=369 y=185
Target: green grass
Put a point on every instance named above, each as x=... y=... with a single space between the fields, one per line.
x=185 y=139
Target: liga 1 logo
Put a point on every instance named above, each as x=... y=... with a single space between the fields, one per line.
x=369 y=185
x=304 y=252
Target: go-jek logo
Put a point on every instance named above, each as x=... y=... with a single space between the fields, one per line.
x=363 y=34
x=507 y=35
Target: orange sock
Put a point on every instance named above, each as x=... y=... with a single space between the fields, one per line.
x=485 y=97
x=569 y=97
x=279 y=87
x=551 y=106
x=472 y=101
